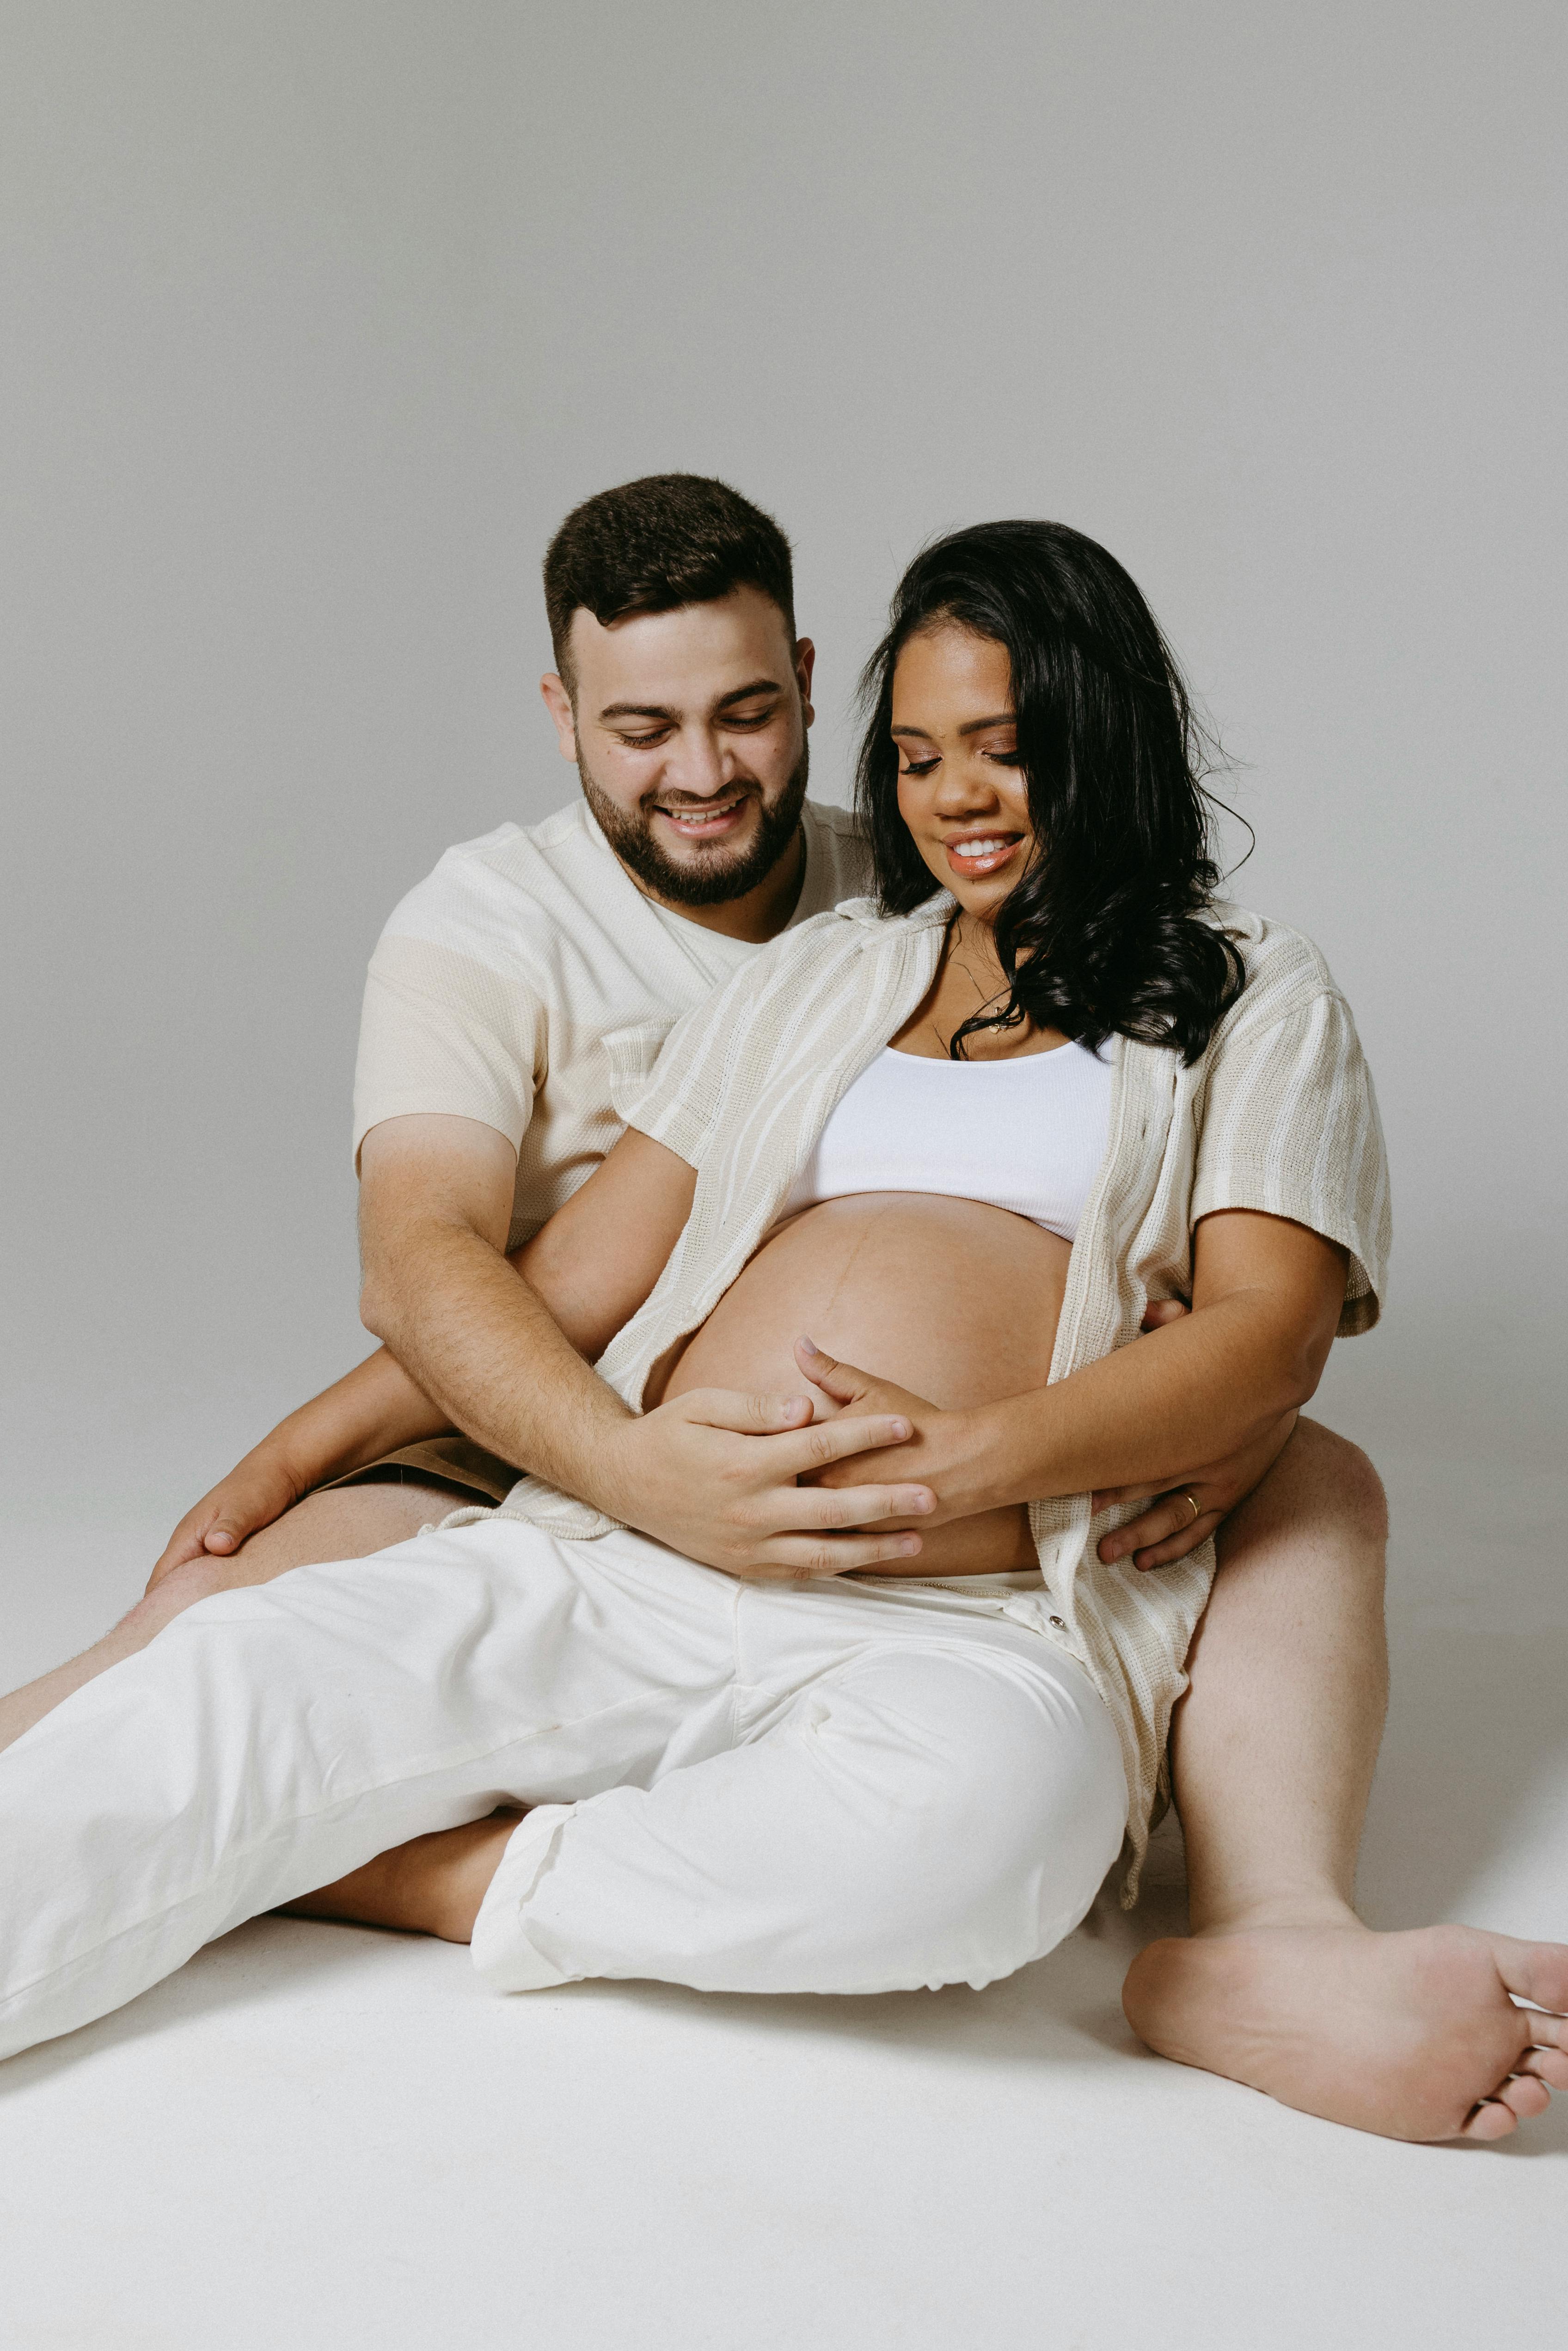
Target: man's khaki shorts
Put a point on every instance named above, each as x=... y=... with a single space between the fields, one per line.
x=452 y=1461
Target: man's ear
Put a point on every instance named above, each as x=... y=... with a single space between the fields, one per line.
x=558 y=702
x=805 y=661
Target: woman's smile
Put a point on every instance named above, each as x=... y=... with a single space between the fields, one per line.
x=972 y=856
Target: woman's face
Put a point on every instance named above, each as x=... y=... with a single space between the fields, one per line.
x=960 y=790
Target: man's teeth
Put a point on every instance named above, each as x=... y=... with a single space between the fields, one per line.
x=700 y=816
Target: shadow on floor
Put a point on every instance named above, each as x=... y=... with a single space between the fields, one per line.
x=1477 y=1737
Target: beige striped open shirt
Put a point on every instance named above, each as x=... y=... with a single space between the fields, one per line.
x=1276 y=1114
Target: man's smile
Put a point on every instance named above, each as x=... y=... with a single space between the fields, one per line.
x=713 y=820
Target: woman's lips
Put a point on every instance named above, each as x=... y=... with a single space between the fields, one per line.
x=980 y=854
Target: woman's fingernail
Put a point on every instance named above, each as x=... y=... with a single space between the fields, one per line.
x=901 y=1428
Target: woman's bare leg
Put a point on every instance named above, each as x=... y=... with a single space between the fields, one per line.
x=346 y=1522
x=1280 y=1984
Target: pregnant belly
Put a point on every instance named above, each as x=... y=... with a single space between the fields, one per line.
x=953 y=1299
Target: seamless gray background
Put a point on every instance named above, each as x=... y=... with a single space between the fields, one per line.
x=315 y=316
x=318 y=319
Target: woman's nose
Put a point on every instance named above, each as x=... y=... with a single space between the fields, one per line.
x=963 y=791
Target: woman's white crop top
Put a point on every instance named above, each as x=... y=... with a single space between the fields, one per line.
x=1026 y=1134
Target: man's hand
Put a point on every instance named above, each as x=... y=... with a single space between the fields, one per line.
x=252 y=1496
x=715 y=1475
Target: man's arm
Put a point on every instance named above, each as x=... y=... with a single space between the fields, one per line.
x=503 y=1351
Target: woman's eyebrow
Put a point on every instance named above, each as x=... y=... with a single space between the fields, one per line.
x=974 y=726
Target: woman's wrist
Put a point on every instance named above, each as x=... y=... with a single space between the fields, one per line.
x=1000 y=1455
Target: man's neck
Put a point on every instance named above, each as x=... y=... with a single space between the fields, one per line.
x=758 y=917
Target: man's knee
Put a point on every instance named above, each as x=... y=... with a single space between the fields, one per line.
x=1321 y=1493
x=196 y=1579
x=1334 y=1468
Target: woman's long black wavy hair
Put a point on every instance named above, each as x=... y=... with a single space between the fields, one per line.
x=1103 y=934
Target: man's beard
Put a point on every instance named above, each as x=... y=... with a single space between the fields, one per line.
x=715 y=876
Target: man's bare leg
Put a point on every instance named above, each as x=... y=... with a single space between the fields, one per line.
x=348 y=1523
x=1280 y=1984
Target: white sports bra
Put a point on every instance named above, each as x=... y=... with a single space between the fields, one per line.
x=1026 y=1134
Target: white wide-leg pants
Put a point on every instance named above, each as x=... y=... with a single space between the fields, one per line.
x=829 y=1787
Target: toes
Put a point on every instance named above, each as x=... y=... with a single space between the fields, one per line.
x=1537 y=1972
x=1490 y=2119
x=1548 y=2064
x=1525 y=2094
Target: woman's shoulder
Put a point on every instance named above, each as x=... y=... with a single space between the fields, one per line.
x=1282 y=969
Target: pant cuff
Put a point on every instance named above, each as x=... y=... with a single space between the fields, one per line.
x=501 y=1948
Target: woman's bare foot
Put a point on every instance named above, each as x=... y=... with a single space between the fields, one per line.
x=432 y=1885
x=1411 y=2035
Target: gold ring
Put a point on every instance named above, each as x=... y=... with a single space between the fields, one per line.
x=1192 y=1506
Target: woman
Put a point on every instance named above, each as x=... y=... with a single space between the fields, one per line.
x=964 y=1137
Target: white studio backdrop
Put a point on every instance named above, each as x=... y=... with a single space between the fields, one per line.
x=318 y=318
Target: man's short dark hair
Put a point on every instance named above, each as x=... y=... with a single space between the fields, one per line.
x=654 y=545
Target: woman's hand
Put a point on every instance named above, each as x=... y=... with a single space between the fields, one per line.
x=933 y=1448
x=251 y=1497
x=1169 y=1529
x=723 y=1477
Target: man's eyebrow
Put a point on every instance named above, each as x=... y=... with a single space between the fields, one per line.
x=974 y=726
x=672 y=717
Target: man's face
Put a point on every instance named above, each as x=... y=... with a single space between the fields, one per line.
x=689 y=732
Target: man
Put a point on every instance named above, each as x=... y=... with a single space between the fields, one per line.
x=513 y=997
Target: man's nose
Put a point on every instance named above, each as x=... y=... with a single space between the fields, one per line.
x=697 y=764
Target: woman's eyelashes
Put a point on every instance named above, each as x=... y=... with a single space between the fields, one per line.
x=1009 y=758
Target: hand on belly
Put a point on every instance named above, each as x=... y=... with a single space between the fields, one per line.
x=951 y=1298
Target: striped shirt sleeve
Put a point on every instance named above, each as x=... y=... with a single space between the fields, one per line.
x=1290 y=1126
x=682 y=1101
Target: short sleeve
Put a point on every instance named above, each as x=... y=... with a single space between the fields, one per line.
x=1290 y=1126
x=443 y=1031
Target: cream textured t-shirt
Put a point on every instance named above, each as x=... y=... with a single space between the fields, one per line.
x=529 y=983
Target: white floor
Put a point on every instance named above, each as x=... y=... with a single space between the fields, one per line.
x=317 y=2137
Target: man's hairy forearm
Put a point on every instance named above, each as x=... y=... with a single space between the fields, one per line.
x=479 y=1342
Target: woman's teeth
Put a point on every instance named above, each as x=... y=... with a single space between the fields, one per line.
x=981 y=856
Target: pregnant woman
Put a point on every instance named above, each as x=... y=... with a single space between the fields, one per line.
x=962 y=1138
